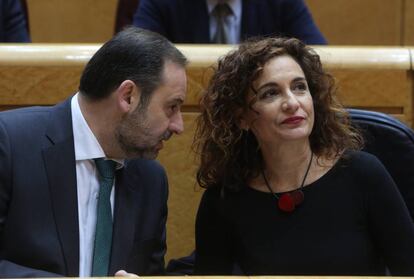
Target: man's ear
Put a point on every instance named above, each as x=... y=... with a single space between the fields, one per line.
x=128 y=95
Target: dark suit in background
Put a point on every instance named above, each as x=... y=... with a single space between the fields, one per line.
x=187 y=21
x=12 y=22
x=39 y=231
x=125 y=11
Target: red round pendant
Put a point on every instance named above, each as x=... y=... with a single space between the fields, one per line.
x=297 y=196
x=286 y=202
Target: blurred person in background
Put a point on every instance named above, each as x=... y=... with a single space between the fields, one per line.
x=227 y=21
x=13 y=26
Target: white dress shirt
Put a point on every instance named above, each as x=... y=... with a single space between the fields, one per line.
x=87 y=148
x=232 y=22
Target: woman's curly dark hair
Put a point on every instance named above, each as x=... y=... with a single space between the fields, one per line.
x=231 y=156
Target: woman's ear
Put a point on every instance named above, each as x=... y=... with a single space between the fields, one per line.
x=243 y=124
x=241 y=121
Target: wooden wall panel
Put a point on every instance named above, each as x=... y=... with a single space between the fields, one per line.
x=37 y=85
x=180 y=163
x=408 y=22
x=197 y=81
x=356 y=22
x=77 y=21
x=380 y=90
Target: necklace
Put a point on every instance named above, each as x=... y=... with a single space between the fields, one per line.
x=287 y=202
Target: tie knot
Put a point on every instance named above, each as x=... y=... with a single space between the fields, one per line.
x=106 y=168
x=222 y=10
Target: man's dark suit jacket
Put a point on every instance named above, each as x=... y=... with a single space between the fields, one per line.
x=187 y=21
x=12 y=22
x=39 y=231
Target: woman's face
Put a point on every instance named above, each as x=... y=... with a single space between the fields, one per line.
x=283 y=109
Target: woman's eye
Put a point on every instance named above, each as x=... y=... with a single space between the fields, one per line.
x=269 y=94
x=300 y=86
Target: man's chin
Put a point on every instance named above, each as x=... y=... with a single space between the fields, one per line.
x=143 y=154
x=150 y=155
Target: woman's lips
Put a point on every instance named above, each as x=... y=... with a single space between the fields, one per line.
x=293 y=120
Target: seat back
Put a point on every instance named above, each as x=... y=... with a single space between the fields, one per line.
x=392 y=142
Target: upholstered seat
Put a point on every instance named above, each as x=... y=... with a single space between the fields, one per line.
x=393 y=143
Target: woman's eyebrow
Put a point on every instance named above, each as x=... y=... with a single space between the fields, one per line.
x=268 y=84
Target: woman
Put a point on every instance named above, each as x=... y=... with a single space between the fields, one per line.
x=288 y=192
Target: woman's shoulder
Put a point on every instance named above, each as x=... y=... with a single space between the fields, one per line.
x=219 y=195
x=359 y=159
x=359 y=155
x=364 y=164
x=213 y=191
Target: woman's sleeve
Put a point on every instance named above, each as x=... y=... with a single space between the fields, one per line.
x=389 y=220
x=213 y=239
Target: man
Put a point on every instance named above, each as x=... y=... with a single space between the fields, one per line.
x=51 y=174
x=12 y=22
x=199 y=21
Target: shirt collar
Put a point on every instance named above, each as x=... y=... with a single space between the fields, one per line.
x=87 y=146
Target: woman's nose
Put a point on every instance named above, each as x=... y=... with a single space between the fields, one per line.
x=290 y=103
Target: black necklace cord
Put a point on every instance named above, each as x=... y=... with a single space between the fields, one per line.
x=288 y=201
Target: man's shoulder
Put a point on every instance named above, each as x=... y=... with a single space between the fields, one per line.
x=33 y=111
x=27 y=119
x=24 y=117
x=145 y=169
x=147 y=175
x=145 y=165
x=24 y=111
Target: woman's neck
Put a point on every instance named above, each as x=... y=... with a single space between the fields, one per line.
x=285 y=165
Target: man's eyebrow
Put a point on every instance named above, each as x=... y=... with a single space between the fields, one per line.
x=176 y=100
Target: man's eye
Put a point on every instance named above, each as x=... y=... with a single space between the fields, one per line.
x=174 y=108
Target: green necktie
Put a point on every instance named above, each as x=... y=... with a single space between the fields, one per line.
x=103 y=232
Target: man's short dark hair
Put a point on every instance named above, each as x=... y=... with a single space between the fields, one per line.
x=133 y=54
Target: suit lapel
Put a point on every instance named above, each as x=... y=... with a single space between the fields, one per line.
x=250 y=22
x=199 y=21
x=125 y=216
x=59 y=159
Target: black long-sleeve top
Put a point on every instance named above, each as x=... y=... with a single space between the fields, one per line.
x=353 y=221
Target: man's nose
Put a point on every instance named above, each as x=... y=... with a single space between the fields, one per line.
x=177 y=124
